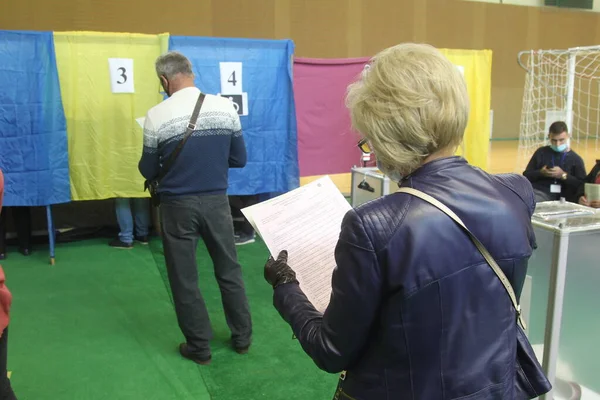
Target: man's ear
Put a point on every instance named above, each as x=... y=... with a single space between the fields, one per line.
x=164 y=81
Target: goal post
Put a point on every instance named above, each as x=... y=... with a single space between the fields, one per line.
x=560 y=85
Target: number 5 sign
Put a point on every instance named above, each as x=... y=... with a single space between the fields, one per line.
x=231 y=77
x=121 y=75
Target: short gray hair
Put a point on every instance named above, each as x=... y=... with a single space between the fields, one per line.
x=173 y=63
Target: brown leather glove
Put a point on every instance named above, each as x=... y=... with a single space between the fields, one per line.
x=278 y=272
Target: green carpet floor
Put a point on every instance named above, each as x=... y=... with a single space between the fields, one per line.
x=100 y=325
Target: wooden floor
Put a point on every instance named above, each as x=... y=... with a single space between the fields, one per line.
x=503 y=158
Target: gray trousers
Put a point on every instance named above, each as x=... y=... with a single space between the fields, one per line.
x=184 y=220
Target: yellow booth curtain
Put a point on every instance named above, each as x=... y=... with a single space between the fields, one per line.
x=477 y=68
x=105 y=141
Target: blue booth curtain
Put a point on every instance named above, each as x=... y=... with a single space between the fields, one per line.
x=33 y=131
x=269 y=128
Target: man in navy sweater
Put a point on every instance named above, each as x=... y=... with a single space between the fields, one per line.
x=556 y=171
x=194 y=202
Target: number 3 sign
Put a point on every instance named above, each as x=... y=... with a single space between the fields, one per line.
x=121 y=75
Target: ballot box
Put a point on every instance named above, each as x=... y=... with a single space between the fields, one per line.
x=563 y=298
x=368 y=183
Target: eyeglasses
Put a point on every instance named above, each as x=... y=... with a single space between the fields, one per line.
x=364 y=146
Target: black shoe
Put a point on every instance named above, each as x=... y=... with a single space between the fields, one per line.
x=185 y=352
x=242 y=350
x=142 y=239
x=25 y=251
x=120 y=245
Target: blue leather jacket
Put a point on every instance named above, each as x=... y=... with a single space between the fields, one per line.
x=415 y=312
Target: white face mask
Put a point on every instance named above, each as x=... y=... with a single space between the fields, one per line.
x=393 y=175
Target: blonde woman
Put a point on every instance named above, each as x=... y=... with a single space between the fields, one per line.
x=415 y=311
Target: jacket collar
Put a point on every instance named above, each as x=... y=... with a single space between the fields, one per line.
x=436 y=166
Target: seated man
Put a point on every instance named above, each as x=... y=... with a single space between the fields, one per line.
x=593 y=177
x=556 y=171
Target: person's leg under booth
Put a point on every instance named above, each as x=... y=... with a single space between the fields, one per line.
x=22 y=221
x=179 y=220
x=22 y=218
x=235 y=205
x=141 y=210
x=244 y=232
x=246 y=227
x=125 y=220
x=216 y=229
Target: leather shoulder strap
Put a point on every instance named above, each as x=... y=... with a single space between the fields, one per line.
x=191 y=127
x=488 y=257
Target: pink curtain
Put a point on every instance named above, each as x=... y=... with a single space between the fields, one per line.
x=326 y=142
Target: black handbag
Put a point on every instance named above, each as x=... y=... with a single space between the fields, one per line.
x=530 y=380
x=152 y=185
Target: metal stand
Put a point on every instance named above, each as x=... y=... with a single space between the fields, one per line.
x=558 y=274
x=562 y=219
x=365 y=159
x=51 y=233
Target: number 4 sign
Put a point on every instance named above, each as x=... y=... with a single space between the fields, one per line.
x=231 y=77
x=121 y=75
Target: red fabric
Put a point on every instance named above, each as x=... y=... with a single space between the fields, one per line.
x=326 y=142
x=5 y=295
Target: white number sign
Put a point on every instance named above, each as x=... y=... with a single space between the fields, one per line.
x=231 y=77
x=121 y=75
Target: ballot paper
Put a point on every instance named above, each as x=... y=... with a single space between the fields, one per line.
x=306 y=222
x=592 y=191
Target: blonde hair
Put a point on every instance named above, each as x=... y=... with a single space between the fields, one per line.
x=409 y=103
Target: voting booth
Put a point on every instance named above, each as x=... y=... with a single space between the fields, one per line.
x=72 y=130
x=564 y=316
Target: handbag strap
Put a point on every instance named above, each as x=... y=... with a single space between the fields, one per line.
x=486 y=254
x=191 y=127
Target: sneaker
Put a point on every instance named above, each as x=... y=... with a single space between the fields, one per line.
x=142 y=239
x=120 y=245
x=244 y=239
